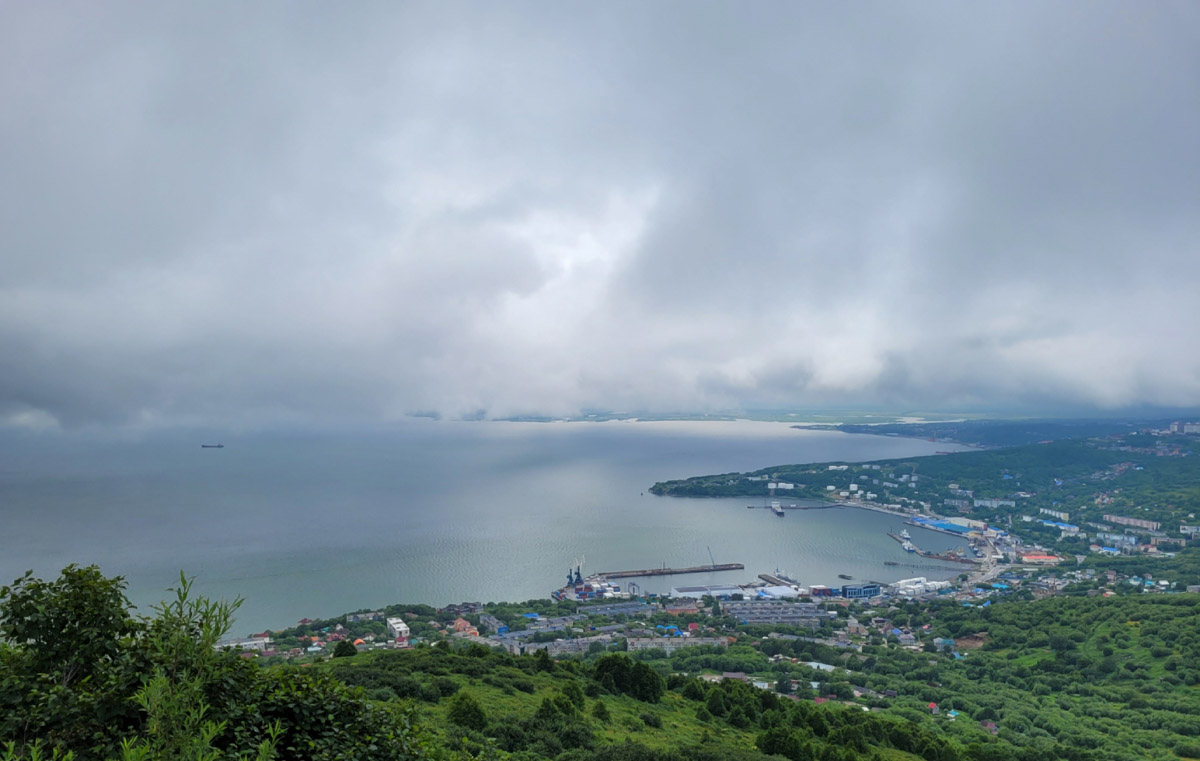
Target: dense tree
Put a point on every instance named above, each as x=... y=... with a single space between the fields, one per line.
x=466 y=711
x=81 y=676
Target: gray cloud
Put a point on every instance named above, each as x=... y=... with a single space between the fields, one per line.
x=223 y=214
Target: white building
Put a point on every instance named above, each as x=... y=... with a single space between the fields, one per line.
x=258 y=644
x=397 y=629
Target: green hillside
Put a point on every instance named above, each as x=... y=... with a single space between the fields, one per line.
x=537 y=708
x=1083 y=677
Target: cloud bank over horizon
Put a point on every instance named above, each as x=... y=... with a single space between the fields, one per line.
x=225 y=214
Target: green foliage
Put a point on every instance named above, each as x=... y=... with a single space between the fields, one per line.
x=600 y=712
x=465 y=711
x=618 y=673
x=344 y=649
x=160 y=689
x=73 y=665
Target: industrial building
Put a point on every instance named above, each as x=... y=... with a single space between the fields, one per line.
x=778 y=592
x=720 y=591
x=918 y=586
x=860 y=591
x=770 y=612
x=634 y=608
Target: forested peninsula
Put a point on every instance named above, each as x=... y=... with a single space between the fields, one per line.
x=1061 y=494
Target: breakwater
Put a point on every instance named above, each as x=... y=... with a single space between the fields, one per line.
x=664 y=571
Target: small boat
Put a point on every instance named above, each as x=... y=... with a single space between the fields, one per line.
x=909 y=546
x=845 y=576
x=904 y=534
x=890 y=562
x=212 y=446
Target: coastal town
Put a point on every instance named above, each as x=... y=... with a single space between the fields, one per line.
x=1018 y=542
x=845 y=618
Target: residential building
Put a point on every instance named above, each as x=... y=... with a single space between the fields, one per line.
x=1135 y=522
x=671 y=644
x=995 y=503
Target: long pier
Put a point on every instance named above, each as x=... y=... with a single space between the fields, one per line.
x=664 y=571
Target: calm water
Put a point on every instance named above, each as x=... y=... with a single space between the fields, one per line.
x=430 y=512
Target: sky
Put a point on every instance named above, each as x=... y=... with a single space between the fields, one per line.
x=235 y=214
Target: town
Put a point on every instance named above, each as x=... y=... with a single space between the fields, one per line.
x=844 y=618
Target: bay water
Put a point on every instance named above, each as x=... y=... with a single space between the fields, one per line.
x=430 y=511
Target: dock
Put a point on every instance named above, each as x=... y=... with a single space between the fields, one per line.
x=664 y=571
x=943 y=556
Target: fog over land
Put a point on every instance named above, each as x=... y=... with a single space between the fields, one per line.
x=232 y=214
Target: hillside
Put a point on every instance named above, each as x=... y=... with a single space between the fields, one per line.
x=1079 y=678
x=537 y=708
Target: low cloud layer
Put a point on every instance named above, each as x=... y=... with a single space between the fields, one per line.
x=226 y=214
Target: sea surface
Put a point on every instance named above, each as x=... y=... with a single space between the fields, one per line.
x=430 y=512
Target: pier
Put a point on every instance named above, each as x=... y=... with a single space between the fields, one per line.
x=822 y=506
x=664 y=571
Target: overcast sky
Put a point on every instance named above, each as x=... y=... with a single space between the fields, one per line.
x=254 y=213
